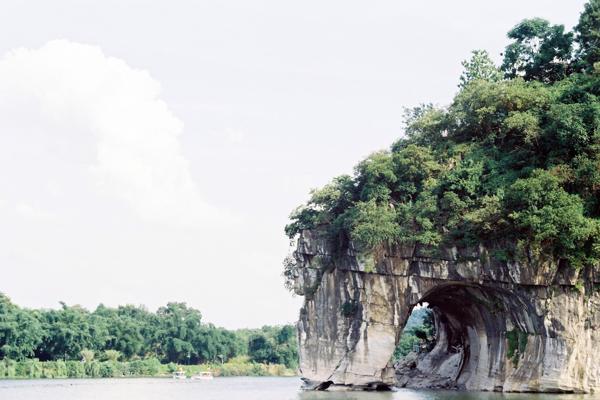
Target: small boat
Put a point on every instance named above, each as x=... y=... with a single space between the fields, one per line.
x=203 y=376
x=180 y=374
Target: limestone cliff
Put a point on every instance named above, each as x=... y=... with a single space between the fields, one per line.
x=502 y=326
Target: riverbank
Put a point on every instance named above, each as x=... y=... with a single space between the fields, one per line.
x=34 y=369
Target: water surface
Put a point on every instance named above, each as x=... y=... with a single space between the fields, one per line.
x=223 y=389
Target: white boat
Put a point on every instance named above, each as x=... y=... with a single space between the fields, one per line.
x=203 y=376
x=179 y=374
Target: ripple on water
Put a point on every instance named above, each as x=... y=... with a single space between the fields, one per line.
x=245 y=388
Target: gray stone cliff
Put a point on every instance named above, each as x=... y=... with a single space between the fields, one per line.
x=502 y=326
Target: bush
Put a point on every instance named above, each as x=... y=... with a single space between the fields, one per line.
x=75 y=369
x=147 y=367
x=8 y=368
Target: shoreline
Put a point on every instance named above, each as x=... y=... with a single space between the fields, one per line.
x=147 y=368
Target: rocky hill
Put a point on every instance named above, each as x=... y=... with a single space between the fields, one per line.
x=488 y=210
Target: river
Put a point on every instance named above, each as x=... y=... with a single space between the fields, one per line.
x=223 y=389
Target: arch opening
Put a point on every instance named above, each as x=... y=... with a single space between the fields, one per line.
x=472 y=325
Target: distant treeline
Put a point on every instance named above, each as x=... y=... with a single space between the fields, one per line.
x=130 y=337
x=32 y=368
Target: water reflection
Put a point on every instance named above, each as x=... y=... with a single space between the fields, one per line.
x=327 y=395
x=406 y=394
x=225 y=389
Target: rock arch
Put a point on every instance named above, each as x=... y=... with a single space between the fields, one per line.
x=515 y=327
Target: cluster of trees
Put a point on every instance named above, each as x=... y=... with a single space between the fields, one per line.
x=515 y=156
x=272 y=345
x=173 y=334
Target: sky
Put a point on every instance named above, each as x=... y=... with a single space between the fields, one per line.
x=152 y=151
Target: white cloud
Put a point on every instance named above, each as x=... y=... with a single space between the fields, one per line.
x=32 y=213
x=134 y=135
x=234 y=136
x=229 y=135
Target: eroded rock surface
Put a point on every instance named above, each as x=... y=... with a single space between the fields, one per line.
x=528 y=327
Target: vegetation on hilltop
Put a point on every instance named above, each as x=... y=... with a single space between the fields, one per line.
x=515 y=156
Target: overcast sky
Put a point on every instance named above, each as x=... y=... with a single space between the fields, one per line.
x=152 y=151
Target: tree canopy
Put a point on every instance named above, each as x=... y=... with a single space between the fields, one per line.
x=175 y=333
x=513 y=158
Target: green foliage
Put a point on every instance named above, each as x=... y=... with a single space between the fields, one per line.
x=516 y=160
x=588 y=36
x=424 y=125
x=125 y=341
x=273 y=345
x=20 y=331
x=408 y=342
x=75 y=369
x=517 y=343
x=549 y=217
x=540 y=51
x=371 y=223
x=240 y=366
x=495 y=113
x=323 y=206
x=479 y=67
x=418 y=331
x=111 y=355
x=260 y=348
x=87 y=355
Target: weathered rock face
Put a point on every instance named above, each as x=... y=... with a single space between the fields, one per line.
x=502 y=326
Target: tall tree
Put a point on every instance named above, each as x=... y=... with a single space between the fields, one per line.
x=540 y=51
x=68 y=332
x=588 y=36
x=260 y=349
x=179 y=326
x=479 y=67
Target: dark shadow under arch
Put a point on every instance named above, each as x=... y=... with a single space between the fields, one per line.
x=474 y=324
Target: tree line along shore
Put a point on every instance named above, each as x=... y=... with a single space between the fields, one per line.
x=130 y=341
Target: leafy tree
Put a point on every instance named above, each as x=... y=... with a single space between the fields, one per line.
x=587 y=36
x=217 y=344
x=425 y=125
x=540 y=51
x=479 y=67
x=375 y=177
x=177 y=331
x=272 y=344
x=549 y=217
x=413 y=166
x=486 y=111
x=324 y=205
x=371 y=224
x=68 y=332
x=260 y=349
x=286 y=347
x=287 y=334
x=20 y=331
